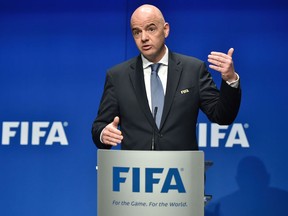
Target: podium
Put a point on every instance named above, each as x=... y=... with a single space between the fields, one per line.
x=141 y=183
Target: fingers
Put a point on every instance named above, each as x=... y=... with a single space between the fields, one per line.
x=116 y=121
x=220 y=60
x=223 y=63
x=111 y=135
x=230 y=52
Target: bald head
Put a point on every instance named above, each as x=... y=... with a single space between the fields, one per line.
x=145 y=11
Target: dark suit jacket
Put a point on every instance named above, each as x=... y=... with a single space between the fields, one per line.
x=189 y=88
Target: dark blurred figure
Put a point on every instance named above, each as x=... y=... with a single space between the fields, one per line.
x=255 y=197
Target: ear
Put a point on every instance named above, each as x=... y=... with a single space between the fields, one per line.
x=166 y=29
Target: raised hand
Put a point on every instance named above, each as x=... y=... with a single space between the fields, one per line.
x=223 y=63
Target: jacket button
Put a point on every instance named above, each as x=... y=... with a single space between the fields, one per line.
x=161 y=135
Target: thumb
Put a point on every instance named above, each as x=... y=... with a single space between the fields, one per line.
x=230 y=52
x=116 y=121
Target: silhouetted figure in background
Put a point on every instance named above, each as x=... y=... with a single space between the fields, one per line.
x=255 y=197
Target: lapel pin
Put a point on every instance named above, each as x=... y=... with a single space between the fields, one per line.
x=184 y=91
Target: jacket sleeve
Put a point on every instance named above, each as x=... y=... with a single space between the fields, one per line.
x=220 y=106
x=108 y=109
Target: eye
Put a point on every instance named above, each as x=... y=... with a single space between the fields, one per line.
x=152 y=29
x=136 y=32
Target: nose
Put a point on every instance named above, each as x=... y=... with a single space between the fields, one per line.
x=144 y=36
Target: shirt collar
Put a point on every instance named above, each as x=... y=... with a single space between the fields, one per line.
x=164 y=60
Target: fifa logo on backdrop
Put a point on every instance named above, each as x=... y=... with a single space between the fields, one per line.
x=34 y=133
x=163 y=179
x=222 y=135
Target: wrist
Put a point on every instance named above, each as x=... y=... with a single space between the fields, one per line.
x=234 y=79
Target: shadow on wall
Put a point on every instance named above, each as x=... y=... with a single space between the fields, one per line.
x=254 y=197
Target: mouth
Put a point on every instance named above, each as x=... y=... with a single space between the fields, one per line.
x=146 y=47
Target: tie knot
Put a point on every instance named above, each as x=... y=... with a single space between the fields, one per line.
x=155 y=67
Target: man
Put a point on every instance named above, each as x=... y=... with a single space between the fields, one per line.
x=126 y=114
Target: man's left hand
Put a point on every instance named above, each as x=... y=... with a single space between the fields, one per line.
x=224 y=64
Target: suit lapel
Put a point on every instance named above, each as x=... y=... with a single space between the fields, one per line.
x=174 y=74
x=137 y=79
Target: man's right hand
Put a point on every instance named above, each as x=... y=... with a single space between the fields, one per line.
x=111 y=135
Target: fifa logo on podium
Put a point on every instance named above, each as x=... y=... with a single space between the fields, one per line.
x=168 y=179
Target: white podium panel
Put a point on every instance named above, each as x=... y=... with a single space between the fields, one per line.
x=150 y=183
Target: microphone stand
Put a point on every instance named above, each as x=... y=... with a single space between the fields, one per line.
x=153 y=135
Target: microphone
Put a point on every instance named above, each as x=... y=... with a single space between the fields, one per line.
x=153 y=135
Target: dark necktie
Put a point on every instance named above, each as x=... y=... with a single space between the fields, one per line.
x=157 y=94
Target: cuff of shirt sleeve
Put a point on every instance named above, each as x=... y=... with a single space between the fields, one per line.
x=234 y=83
x=101 y=136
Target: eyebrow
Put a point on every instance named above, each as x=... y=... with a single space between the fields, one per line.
x=145 y=27
x=151 y=24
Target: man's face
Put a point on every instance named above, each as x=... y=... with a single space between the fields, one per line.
x=149 y=32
